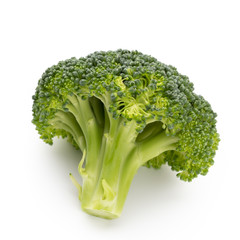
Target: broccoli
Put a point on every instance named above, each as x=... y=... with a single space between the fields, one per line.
x=124 y=110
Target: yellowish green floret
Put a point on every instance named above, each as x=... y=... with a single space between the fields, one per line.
x=124 y=110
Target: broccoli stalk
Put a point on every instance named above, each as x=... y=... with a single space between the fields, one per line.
x=115 y=151
x=124 y=110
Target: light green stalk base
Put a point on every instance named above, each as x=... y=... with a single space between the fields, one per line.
x=102 y=213
x=105 y=188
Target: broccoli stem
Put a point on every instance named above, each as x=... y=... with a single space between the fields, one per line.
x=113 y=155
x=118 y=167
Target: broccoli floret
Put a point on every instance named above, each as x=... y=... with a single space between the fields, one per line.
x=124 y=110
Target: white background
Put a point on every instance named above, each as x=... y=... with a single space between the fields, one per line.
x=38 y=200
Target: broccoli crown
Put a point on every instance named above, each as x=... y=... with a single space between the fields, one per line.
x=133 y=87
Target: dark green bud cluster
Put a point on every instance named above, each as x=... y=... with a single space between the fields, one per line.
x=138 y=88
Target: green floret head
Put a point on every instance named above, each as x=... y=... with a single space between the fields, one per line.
x=123 y=110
